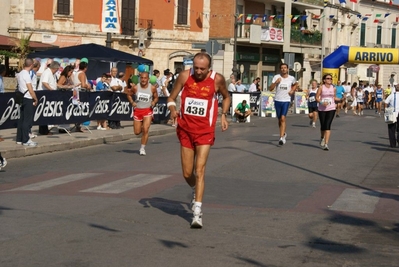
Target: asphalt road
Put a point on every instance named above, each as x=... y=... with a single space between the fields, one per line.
x=264 y=205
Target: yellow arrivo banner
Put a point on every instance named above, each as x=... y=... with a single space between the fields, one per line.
x=373 y=55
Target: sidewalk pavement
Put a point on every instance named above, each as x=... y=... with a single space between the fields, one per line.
x=62 y=141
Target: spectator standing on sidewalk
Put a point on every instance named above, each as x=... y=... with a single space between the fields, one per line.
x=26 y=108
x=393 y=128
x=48 y=81
x=117 y=87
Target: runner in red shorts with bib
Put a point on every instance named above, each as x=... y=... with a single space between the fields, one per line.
x=146 y=97
x=196 y=122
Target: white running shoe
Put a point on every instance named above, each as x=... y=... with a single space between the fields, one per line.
x=280 y=142
x=3 y=164
x=284 y=138
x=31 y=135
x=19 y=143
x=142 y=152
x=313 y=125
x=197 y=218
x=322 y=142
x=30 y=143
x=325 y=147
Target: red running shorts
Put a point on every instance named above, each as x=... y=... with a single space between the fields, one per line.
x=191 y=140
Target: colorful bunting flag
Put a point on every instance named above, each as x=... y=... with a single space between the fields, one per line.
x=342 y=1
x=240 y=16
x=365 y=19
x=387 y=14
x=255 y=16
x=295 y=18
x=354 y=1
x=248 y=19
x=376 y=20
x=378 y=15
x=264 y=18
x=272 y=17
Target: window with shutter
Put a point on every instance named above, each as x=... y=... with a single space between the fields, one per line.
x=63 y=7
x=363 y=34
x=393 y=38
x=182 y=12
x=128 y=17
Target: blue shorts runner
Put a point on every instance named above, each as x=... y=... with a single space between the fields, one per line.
x=281 y=108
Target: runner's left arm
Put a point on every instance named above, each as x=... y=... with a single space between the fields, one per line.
x=154 y=96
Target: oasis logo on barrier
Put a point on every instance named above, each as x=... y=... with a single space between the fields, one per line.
x=80 y=110
x=11 y=112
x=120 y=107
x=48 y=108
x=100 y=107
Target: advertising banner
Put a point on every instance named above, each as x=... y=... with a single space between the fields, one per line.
x=267 y=104
x=300 y=102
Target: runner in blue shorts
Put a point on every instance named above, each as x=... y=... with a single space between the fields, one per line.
x=285 y=86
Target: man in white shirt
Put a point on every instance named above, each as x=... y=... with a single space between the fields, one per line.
x=254 y=86
x=232 y=85
x=48 y=81
x=393 y=131
x=116 y=86
x=26 y=108
x=285 y=86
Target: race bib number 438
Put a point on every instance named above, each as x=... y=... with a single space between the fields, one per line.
x=195 y=107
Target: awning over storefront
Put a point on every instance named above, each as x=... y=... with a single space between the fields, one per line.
x=8 y=42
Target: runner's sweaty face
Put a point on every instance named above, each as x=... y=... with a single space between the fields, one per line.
x=144 y=79
x=283 y=70
x=201 y=68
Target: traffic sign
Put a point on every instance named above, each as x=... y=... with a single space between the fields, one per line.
x=212 y=47
x=297 y=67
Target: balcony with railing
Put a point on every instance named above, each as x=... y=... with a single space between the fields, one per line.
x=299 y=35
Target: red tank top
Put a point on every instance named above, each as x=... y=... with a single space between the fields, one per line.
x=199 y=105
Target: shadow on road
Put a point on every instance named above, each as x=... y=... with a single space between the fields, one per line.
x=321 y=175
x=4 y=208
x=172 y=244
x=333 y=247
x=171 y=207
x=102 y=227
x=251 y=262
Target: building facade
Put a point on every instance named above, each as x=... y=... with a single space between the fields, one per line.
x=160 y=30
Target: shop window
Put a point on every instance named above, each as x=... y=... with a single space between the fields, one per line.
x=363 y=34
x=379 y=33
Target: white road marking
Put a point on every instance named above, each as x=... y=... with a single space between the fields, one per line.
x=356 y=200
x=126 y=184
x=54 y=182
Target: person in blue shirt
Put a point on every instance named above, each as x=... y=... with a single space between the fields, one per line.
x=103 y=84
x=340 y=94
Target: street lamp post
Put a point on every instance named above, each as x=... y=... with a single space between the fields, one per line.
x=235 y=70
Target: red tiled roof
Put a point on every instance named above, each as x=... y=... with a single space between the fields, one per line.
x=7 y=42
